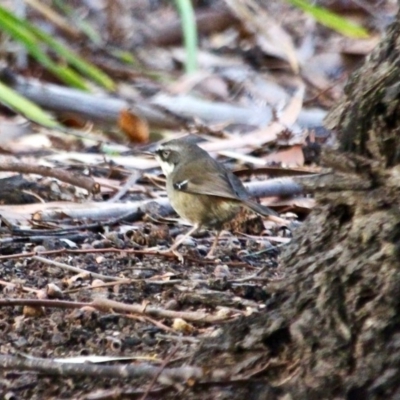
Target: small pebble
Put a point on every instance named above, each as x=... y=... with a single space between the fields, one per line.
x=132 y=341
x=187 y=242
x=172 y=305
x=41 y=295
x=39 y=249
x=181 y=325
x=53 y=291
x=222 y=271
x=202 y=249
x=216 y=333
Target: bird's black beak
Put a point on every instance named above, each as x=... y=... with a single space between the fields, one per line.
x=148 y=153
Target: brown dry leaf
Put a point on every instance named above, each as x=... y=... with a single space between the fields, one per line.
x=360 y=47
x=187 y=82
x=291 y=112
x=292 y=157
x=136 y=128
x=270 y=36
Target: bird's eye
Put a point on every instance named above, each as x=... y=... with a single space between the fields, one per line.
x=165 y=154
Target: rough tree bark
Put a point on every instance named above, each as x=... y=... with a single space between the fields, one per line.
x=331 y=330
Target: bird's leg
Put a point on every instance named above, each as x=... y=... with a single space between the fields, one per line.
x=183 y=238
x=210 y=254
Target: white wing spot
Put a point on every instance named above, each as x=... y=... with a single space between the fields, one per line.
x=182 y=184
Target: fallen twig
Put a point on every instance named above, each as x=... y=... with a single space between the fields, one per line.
x=47 y=366
x=65 y=176
x=125 y=188
x=19 y=287
x=124 y=282
x=106 y=304
x=192 y=316
x=76 y=269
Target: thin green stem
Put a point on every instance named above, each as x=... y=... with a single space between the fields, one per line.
x=189 y=29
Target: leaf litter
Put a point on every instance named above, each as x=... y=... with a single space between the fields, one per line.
x=81 y=273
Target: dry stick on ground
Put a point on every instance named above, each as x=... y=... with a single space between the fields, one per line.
x=95 y=211
x=191 y=316
x=100 y=211
x=274 y=187
x=105 y=108
x=252 y=276
x=180 y=374
x=18 y=231
x=65 y=176
x=115 y=279
x=123 y=282
x=76 y=269
x=105 y=305
x=98 y=108
x=125 y=188
x=23 y=288
x=168 y=376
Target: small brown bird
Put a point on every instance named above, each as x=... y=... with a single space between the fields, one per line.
x=201 y=190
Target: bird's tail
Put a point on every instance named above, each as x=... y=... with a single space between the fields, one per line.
x=258 y=208
x=265 y=211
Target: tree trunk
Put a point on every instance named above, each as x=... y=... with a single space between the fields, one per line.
x=331 y=330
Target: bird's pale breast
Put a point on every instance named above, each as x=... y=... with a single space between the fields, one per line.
x=204 y=210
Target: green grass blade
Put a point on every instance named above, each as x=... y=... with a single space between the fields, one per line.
x=331 y=20
x=189 y=28
x=32 y=37
x=81 y=65
x=25 y=107
x=32 y=45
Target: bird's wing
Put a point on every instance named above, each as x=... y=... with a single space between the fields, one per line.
x=223 y=184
